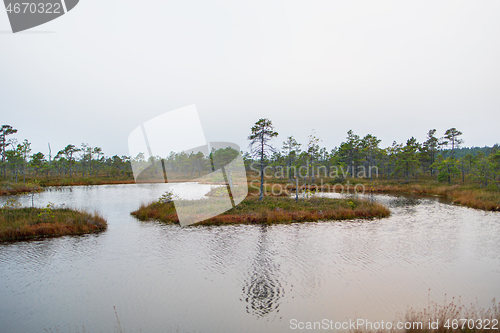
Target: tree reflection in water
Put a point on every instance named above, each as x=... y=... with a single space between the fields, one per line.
x=263 y=290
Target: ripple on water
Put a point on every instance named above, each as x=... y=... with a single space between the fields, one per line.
x=243 y=277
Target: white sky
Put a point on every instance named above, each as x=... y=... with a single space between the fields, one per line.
x=394 y=69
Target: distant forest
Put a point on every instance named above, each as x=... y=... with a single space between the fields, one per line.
x=442 y=157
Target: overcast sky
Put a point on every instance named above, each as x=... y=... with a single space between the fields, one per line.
x=394 y=69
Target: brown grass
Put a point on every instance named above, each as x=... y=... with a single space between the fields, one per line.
x=100 y=181
x=468 y=194
x=275 y=210
x=85 y=181
x=452 y=312
x=22 y=223
x=471 y=197
x=461 y=194
x=8 y=188
x=455 y=315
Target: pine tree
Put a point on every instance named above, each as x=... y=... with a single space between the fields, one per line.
x=452 y=135
x=4 y=143
x=262 y=133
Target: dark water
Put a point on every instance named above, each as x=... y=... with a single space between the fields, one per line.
x=245 y=278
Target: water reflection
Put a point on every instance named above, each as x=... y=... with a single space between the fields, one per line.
x=404 y=202
x=263 y=290
x=242 y=278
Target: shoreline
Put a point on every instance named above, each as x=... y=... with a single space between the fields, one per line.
x=460 y=194
x=26 y=223
x=274 y=210
x=10 y=188
x=464 y=195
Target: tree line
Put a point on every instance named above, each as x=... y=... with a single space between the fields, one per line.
x=441 y=157
x=362 y=157
x=18 y=161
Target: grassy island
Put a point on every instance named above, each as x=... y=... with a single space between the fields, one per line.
x=275 y=210
x=24 y=223
x=11 y=188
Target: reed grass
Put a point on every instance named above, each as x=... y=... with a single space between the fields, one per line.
x=451 y=313
x=24 y=223
x=450 y=317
